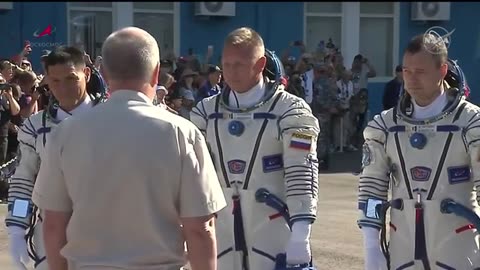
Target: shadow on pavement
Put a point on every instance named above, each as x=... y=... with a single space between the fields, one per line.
x=345 y=162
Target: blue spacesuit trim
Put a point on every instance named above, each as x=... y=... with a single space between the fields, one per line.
x=219 y=145
x=262 y=253
x=402 y=165
x=224 y=252
x=405 y=266
x=444 y=266
x=44 y=130
x=257 y=142
x=444 y=154
x=261 y=115
x=369 y=223
x=397 y=129
x=27 y=131
x=308 y=217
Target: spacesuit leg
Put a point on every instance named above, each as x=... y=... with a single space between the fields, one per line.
x=228 y=257
x=266 y=231
x=402 y=236
x=39 y=247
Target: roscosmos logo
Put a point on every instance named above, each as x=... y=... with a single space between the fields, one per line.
x=38 y=34
x=46 y=32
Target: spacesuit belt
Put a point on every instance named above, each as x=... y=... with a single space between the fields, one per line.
x=420 y=245
x=239 y=232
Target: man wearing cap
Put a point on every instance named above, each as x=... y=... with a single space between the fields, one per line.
x=211 y=86
x=160 y=99
x=392 y=89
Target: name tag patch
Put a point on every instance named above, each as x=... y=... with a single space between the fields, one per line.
x=272 y=163
x=420 y=173
x=301 y=141
x=236 y=166
x=458 y=174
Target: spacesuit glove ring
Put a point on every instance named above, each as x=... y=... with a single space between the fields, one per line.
x=298 y=248
x=18 y=247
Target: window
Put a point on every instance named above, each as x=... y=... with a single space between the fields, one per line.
x=89 y=25
x=323 y=21
x=157 y=18
x=377 y=23
x=368 y=28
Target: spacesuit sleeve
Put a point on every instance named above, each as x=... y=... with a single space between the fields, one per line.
x=22 y=182
x=199 y=116
x=374 y=180
x=299 y=131
x=472 y=140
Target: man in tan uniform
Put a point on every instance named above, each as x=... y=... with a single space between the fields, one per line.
x=89 y=174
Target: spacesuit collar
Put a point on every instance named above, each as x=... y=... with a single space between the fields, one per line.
x=405 y=107
x=125 y=95
x=431 y=110
x=249 y=98
x=85 y=105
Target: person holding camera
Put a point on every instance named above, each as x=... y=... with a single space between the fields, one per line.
x=9 y=107
x=362 y=70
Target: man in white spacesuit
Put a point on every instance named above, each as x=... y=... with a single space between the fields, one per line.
x=67 y=76
x=263 y=143
x=427 y=150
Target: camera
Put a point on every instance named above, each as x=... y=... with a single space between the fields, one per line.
x=42 y=89
x=5 y=86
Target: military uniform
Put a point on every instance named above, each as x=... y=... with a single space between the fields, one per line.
x=324 y=101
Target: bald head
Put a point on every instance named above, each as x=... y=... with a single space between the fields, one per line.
x=130 y=54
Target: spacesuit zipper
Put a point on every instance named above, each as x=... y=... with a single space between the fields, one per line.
x=420 y=244
x=238 y=230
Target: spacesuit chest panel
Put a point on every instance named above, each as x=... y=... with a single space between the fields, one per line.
x=431 y=159
x=254 y=153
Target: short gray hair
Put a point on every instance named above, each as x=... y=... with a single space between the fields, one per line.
x=130 y=54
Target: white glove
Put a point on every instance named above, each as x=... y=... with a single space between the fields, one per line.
x=374 y=258
x=18 y=247
x=298 y=248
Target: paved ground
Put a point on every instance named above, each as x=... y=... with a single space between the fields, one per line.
x=336 y=240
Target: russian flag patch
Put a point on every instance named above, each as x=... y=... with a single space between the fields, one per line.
x=301 y=141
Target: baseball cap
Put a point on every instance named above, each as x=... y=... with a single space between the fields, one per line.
x=212 y=69
x=162 y=88
x=188 y=94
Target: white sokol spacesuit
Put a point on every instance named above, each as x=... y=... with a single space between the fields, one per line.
x=23 y=217
x=269 y=149
x=432 y=167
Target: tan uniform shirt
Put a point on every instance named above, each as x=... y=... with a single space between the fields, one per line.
x=128 y=171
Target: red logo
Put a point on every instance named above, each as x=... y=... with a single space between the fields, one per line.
x=46 y=32
x=236 y=166
x=420 y=173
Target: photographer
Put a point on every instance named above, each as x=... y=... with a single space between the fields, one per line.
x=28 y=101
x=9 y=108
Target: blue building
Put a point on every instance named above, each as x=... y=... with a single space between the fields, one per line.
x=378 y=30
